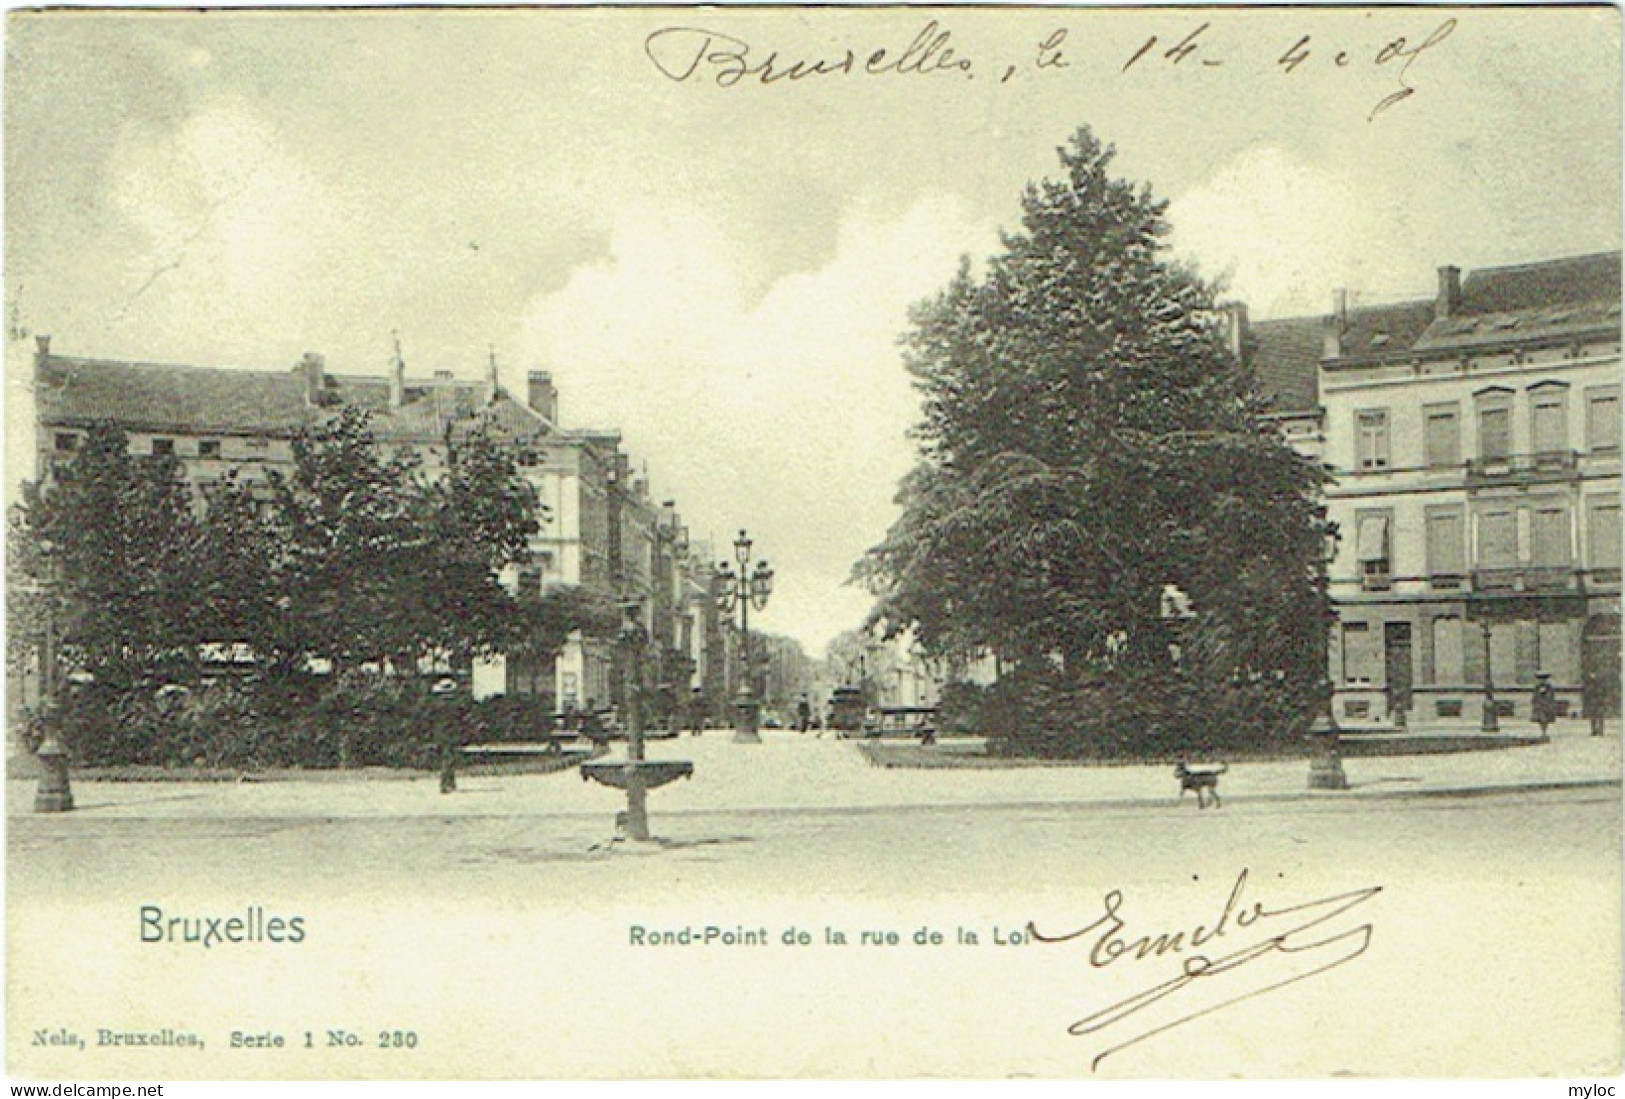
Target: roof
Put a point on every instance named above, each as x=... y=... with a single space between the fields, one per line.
x=1386 y=329
x=1286 y=359
x=1552 y=300
x=208 y=400
x=1534 y=286
x=74 y=390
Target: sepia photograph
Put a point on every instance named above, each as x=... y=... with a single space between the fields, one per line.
x=872 y=543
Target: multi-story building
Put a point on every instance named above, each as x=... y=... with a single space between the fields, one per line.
x=1474 y=441
x=596 y=528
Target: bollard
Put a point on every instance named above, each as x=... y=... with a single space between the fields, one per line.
x=54 y=794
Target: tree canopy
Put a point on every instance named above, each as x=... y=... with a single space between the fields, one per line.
x=112 y=545
x=355 y=555
x=1090 y=445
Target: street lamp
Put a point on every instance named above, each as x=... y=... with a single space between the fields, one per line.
x=54 y=795
x=744 y=589
x=1490 y=722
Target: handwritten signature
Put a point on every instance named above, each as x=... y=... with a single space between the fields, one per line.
x=1301 y=947
x=698 y=54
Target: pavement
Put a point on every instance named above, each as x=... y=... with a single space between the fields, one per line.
x=791 y=772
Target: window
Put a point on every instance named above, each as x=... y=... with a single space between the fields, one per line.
x=1447 y=653
x=208 y=448
x=1549 y=535
x=1442 y=425
x=1494 y=432
x=1371 y=439
x=1361 y=657
x=1504 y=652
x=1549 y=418
x=1447 y=548
x=163 y=448
x=1372 y=548
x=1602 y=419
x=1558 y=651
x=1526 y=652
x=1602 y=532
x=1498 y=538
x=67 y=442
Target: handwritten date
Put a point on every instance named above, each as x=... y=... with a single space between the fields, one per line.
x=688 y=54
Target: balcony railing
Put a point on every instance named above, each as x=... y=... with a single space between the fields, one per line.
x=1512 y=467
x=1527 y=578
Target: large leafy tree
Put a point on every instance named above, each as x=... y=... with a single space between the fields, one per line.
x=1088 y=445
x=473 y=522
x=376 y=562
x=344 y=527
x=111 y=539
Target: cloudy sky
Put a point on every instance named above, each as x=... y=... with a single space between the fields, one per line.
x=722 y=272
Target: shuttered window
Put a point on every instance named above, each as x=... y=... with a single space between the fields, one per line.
x=1603 y=533
x=1549 y=414
x=1549 y=535
x=1498 y=538
x=1494 y=432
x=1447 y=548
x=1442 y=425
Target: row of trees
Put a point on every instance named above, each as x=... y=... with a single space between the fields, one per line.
x=1090 y=446
x=356 y=556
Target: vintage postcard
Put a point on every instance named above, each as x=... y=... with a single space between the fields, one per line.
x=628 y=543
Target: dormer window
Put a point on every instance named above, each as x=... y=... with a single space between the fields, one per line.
x=163 y=448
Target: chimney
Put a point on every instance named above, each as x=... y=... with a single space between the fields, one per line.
x=42 y=348
x=1448 y=303
x=1336 y=325
x=314 y=368
x=542 y=397
x=1235 y=334
x=397 y=378
x=488 y=394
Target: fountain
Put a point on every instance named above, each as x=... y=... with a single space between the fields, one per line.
x=636 y=775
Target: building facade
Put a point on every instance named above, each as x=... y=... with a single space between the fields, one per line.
x=597 y=529
x=1474 y=442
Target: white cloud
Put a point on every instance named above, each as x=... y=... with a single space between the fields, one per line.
x=786 y=415
x=230 y=220
x=1278 y=229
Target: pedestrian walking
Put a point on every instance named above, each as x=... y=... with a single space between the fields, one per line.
x=1543 y=706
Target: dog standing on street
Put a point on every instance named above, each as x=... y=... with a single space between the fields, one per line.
x=1204 y=780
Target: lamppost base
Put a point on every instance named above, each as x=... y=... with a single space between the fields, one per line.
x=54 y=802
x=55 y=793
x=1327 y=774
x=747 y=721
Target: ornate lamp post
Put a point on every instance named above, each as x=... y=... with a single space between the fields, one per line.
x=1490 y=721
x=54 y=794
x=744 y=589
